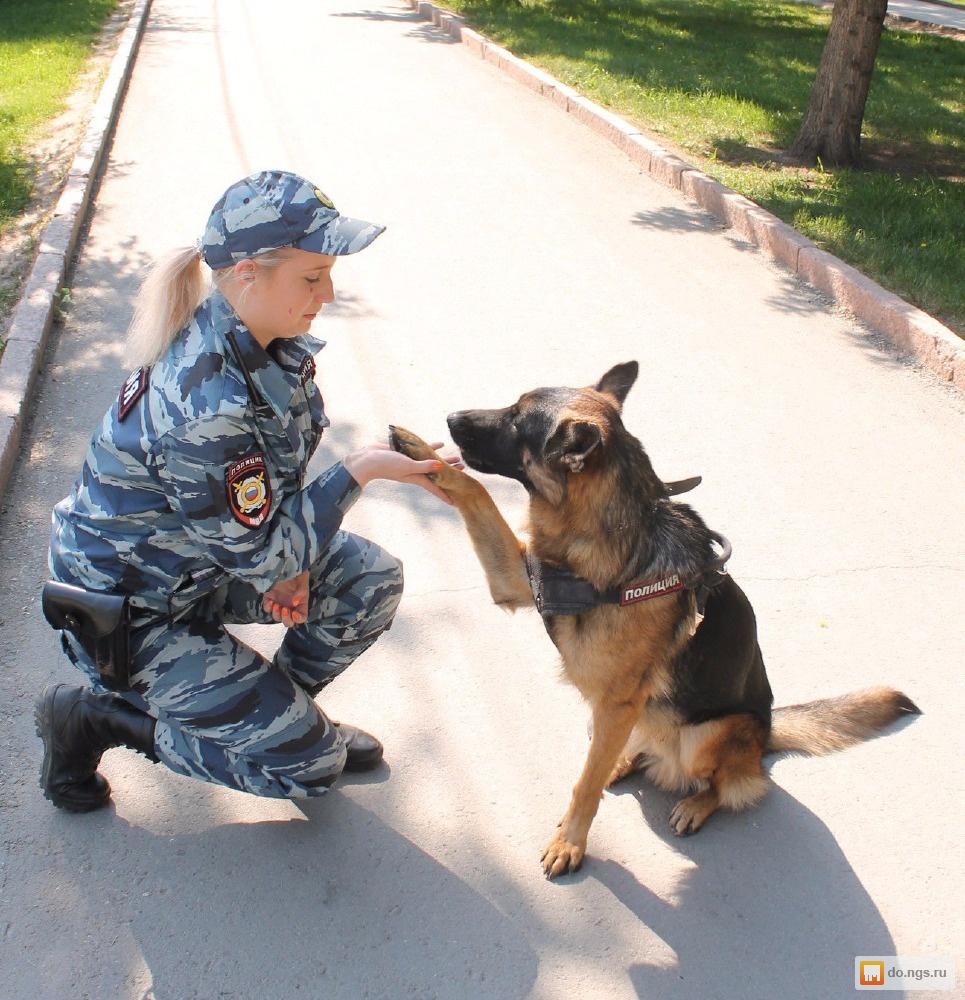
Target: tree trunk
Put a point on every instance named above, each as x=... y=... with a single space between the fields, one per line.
x=831 y=130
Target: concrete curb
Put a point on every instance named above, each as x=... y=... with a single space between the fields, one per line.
x=911 y=330
x=33 y=314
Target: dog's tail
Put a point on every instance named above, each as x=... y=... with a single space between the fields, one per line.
x=832 y=724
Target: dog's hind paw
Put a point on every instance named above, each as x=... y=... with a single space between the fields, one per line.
x=690 y=814
x=624 y=767
x=561 y=857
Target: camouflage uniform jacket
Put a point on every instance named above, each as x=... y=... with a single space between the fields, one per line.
x=197 y=472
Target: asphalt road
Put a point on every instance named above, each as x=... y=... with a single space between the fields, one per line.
x=521 y=250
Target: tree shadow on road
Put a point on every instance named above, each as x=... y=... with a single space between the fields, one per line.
x=679 y=220
x=426 y=32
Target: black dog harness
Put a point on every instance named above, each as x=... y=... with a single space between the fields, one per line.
x=557 y=591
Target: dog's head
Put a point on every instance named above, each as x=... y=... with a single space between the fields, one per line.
x=547 y=435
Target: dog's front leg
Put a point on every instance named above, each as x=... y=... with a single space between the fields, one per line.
x=612 y=725
x=498 y=549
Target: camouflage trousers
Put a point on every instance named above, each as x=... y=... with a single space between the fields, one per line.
x=228 y=715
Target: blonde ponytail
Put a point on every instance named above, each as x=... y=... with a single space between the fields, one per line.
x=167 y=299
x=173 y=290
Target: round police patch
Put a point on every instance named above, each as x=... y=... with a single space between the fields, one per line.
x=249 y=490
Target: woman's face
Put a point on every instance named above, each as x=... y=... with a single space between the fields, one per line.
x=283 y=301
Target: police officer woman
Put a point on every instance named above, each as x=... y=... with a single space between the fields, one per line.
x=193 y=510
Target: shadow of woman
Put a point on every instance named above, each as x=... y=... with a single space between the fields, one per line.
x=771 y=906
x=331 y=902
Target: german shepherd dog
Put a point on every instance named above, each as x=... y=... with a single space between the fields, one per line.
x=656 y=636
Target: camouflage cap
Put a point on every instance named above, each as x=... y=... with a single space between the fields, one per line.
x=275 y=209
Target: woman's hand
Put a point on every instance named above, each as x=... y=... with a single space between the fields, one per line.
x=287 y=601
x=379 y=461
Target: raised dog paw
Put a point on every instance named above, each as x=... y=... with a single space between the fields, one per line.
x=409 y=444
x=448 y=477
x=561 y=857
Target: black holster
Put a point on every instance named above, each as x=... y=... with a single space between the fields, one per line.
x=101 y=623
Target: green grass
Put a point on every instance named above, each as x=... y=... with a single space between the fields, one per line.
x=727 y=81
x=43 y=47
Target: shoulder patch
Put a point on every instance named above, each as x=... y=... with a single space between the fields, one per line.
x=248 y=486
x=132 y=390
x=307 y=370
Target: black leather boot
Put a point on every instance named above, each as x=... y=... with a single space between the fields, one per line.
x=77 y=726
x=362 y=750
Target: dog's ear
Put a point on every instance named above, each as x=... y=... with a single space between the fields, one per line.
x=619 y=380
x=572 y=442
x=566 y=451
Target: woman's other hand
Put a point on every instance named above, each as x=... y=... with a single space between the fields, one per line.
x=287 y=601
